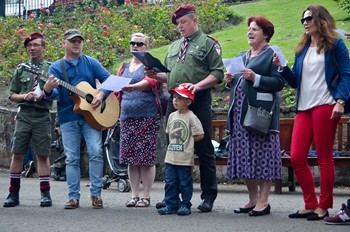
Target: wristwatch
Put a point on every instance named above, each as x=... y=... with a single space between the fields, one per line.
x=341 y=102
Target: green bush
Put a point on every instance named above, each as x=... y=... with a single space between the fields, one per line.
x=107 y=30
x=345 y=4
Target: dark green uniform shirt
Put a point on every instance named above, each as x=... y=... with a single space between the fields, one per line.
x=203 y=57
x=23 y=82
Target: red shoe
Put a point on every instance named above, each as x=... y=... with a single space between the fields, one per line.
x=341 y=218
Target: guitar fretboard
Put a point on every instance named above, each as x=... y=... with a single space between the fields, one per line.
x=61 y=82
x=72 y=88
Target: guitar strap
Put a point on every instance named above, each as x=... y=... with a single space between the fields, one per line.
x=64 y=72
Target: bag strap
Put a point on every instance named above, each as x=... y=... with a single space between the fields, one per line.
x=63 y=67
x=64 y=70
x=156 y=89
x=273 y=104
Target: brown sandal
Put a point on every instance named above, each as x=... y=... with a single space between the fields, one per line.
x=143 y=202
x=132 y=202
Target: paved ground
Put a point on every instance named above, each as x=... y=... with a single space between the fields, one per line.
x=28 y=216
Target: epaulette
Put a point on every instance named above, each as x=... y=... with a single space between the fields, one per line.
x=217 y=45
x=214 y=39
x=20 y=65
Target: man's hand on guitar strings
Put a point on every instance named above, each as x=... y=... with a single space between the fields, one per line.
x=98 y=100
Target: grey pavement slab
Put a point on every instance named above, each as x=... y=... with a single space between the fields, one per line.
x=29 y=216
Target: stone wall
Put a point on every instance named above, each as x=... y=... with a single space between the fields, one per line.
x=6 y=133
x=7 y=129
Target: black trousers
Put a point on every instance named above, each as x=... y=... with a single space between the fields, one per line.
x=204 y=149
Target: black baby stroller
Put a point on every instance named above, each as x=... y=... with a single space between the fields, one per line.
x=119 y=172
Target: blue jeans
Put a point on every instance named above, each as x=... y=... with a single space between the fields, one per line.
x=178 y=180
x=71 y=136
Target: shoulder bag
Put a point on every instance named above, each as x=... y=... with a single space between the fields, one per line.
x=258 y=120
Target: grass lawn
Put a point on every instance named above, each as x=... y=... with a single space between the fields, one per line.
x=284 y=14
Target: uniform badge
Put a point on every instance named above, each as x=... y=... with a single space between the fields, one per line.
x=217 y=48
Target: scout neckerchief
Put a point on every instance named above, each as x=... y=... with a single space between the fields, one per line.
x=183 y=49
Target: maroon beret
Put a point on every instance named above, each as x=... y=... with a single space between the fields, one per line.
x=33 y=36
x=181 y=11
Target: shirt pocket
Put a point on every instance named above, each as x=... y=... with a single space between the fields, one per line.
x=172 y=58
x=25 y=83
x=199 y=56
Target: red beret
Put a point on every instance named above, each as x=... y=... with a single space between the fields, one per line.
x=181 y=11
x=33 y=36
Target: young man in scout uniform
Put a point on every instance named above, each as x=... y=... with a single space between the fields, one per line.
x=196 y=60
x=33 y=121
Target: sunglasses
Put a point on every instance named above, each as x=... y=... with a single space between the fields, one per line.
x=308 y=19
x=138 y=44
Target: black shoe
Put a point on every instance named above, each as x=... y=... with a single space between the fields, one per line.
x=315 y=217
x=205 y=206
x=243 y=210
x=299 y=215
x=160 y=205
x=54 y=174
x=29 y=169
x=260 y=213
x=12 y=200
x=45 y=199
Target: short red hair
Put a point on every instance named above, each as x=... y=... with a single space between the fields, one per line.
x=266 y=26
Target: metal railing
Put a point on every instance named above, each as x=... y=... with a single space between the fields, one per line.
x=23 y=8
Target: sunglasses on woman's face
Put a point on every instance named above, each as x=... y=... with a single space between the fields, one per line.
x=138 y=44
x=307 y=19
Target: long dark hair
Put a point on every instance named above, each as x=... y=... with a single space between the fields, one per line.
x=325 y=24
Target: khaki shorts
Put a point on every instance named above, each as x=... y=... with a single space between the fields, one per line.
x=32 y=127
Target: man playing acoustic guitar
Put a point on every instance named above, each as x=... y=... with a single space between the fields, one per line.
x=33 y=122
x=81 y=71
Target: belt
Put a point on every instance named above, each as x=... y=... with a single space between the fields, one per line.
x=31 y=109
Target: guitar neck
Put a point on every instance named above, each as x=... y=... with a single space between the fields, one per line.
x=66 y=85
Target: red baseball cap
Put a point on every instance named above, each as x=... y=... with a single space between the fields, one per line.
x=182 y=11
x=183 y=92
x=33 y=36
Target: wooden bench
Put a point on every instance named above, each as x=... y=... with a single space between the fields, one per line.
x=286 y=129
x=342 y=147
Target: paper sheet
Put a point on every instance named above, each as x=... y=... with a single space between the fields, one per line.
x=37 y=91
x=114 y=83
x=279 y=54
x=234 y=65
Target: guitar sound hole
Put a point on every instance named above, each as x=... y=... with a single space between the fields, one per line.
x=89 y=98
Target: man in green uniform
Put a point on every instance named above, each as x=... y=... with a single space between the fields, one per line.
x=196 y=60
x=33 y=121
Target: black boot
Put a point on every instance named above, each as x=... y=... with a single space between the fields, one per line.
x=45 y=199
x=12 y=200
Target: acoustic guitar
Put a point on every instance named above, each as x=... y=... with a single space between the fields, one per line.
x=100 y=118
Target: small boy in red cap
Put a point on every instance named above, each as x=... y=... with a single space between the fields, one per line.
x=184 y=128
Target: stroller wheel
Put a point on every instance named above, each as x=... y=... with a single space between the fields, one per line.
x=123 y=185
x=105 y=183
x=128 y=185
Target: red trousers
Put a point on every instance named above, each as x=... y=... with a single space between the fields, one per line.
x=315 y=125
